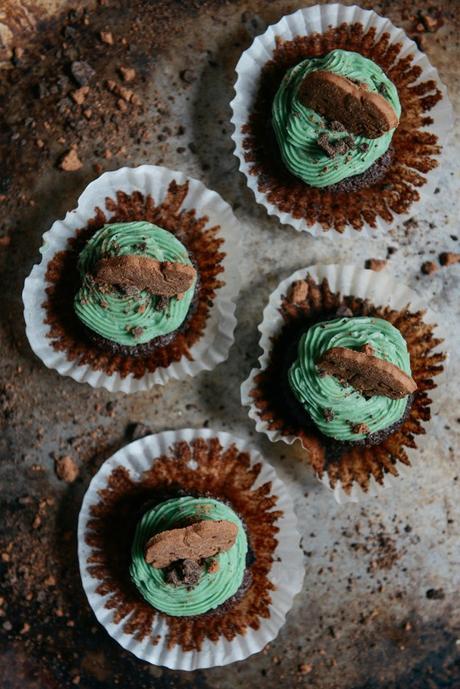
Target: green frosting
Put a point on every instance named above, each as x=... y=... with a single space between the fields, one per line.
x=129 y=319
x=348 y=406
x=213 y=588
x=298 y=128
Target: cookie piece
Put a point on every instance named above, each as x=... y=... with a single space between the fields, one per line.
x=163 y=278
x=366 y=373
x=201 y=539
x=339 y=99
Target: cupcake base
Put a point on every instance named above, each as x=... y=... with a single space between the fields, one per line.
x=199 y=462
x=284 y=319
x=425 y=124
x=69 y=334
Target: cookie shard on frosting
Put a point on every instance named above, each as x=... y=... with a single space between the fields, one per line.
x=162 y=278
x=338 y=98
x=199 y=540
x=366 y=373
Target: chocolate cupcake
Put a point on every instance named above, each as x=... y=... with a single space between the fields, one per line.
x=137 y=285
x=339 y=129
x=349 y=358
x=188 y=549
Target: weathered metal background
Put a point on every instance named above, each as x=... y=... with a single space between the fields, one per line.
x=380 y=605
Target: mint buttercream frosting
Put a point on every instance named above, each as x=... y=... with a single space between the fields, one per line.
x=334 y=407
x=130 y=317
x=214 y=587
x=298 y=127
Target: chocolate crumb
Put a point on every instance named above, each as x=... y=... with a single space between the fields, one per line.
x=429 y=267
x=66 y=469
x=435 y=594
x=449 y=258
x=70 y=162
x=336 y=126
x=376 y=264
x=328 y=414
x=106 y=37
x=82 y=72
x=359 y=428
x=184 y=573
x=127 y=73
x=135 y=431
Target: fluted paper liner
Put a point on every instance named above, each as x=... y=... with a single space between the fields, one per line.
x=285 y=575
x=381 y=290
x=213 y=345
x=423 y=132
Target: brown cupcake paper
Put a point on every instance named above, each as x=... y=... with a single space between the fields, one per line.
x=206 y=226
x=408 y=175
x=317 y=292
x=199 y=462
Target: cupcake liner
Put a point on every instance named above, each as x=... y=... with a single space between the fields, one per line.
x=213 y=345
x=381 y=289
x=317 y=20
x=286 y=573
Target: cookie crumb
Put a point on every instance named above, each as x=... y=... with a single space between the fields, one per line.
x=429 y=267
x=376 y=264
x=106 y=37
x=66 y=469
x=448 y=258
x=70 y=161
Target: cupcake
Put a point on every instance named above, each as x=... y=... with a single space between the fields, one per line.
x=339 y=129
x=137 y=285
x=188 y=549
x=349 y=358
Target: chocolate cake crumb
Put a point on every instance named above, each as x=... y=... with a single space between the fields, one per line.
x=82 y=72
x=66 y=469
x=376 y=264
x=449 y=258
x=70 y=162
x=337 y=147
x=328 y=414
x=359 y=428
x=435 y=594
x=429 y=267
x=184 y=573
x=135 y=431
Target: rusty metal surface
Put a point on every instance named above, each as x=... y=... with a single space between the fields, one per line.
x=380 y=604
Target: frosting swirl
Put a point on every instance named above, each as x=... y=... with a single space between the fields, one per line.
x=214 y=587
x=130 y=317
x=298 y=128
x=336 y=408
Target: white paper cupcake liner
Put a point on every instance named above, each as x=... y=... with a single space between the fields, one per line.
x=212 y=347
x=382 y=289
x=286 y=574
x=318 y=19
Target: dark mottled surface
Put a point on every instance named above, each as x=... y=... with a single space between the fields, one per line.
x=367 y=617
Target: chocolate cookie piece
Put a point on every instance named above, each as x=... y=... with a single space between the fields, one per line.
x=366 y=373
x=339 y=99
x=184 y=573
x=163 y=278
x=199 y=540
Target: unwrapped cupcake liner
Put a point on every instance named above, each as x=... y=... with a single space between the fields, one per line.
x=286 y=572
x=212 y=347
x=380 y=288
x=318 y=19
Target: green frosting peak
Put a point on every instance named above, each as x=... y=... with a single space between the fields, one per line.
x=336 y=408
x=130 y=317
x=214 y=586
x=298 y=127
